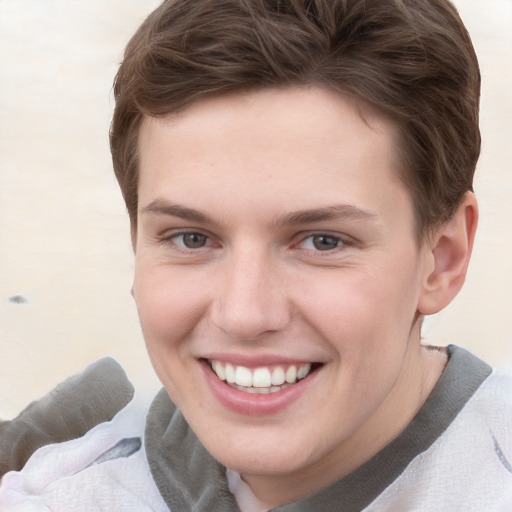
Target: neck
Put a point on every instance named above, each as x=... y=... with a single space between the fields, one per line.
x=421 y=369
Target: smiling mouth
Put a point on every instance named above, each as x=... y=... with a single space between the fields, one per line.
x=264 y=379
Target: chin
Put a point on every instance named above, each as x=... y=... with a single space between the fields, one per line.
x=270 y=457
x=254 y=464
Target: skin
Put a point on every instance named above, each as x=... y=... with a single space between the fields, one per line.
x=249 y=166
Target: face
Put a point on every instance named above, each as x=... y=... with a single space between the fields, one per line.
x=277 y=274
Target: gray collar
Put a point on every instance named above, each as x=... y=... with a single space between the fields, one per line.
x=191 y=480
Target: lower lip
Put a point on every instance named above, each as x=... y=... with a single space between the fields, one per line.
x=252 y=404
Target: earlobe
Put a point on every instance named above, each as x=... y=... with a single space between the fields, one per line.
x=448 y=254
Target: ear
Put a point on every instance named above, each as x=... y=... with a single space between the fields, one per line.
x=447 y=255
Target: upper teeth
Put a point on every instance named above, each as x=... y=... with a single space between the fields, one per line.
x=262 y=377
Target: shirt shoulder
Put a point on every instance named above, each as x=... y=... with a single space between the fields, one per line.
x=469 y=466
x=79 y=448
x=67 y=412
x=105 y=470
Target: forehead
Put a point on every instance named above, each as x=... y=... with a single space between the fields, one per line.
x=311 y=143
x=276 y=107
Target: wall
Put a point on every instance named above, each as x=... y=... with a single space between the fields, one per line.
x=65 y=255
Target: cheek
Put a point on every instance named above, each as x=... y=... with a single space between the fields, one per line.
x=362 y=311
x=169 y=305
x=170 y=308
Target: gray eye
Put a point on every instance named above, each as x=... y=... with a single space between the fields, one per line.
x=325 y=242
x=194 y=240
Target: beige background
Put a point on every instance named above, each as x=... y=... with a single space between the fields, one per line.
x=64 y=244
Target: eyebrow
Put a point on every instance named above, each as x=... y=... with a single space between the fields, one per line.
x=162 y=207
x=326 y=213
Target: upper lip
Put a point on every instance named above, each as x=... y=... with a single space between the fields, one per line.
x=256 y=360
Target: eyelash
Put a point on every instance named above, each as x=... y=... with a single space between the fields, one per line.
x=342 y=242
x=170 y=239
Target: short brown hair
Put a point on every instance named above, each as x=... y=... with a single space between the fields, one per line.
x=413 y=59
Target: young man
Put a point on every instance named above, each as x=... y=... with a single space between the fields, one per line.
x=298 y=177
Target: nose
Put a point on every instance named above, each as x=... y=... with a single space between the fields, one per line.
x=251 y=299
